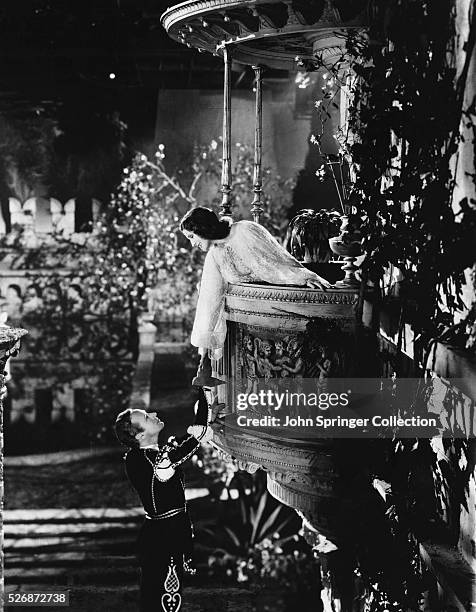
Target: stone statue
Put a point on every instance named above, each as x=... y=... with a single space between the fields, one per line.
x=249 y=361
x=264 y=349
x=281 y=359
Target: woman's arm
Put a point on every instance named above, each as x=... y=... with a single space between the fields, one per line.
x=209 y=327
x=269 y=261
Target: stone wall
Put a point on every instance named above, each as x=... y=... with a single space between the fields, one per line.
x=192 y=116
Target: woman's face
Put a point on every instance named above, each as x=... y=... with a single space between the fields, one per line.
x=202 y=243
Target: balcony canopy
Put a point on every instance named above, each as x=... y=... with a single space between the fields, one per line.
x=279 y=34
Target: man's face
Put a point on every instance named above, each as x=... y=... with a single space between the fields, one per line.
x=148 y=422
x=196 y=241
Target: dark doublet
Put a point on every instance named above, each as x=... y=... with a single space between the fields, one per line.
x=162 y=496
x=164 y=545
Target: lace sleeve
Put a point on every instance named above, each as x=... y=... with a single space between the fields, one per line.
x=209 y=327
x=268 y=260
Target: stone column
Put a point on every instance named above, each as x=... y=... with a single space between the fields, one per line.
x=256 y=208
x=225 y=210
x=140 y=397
x=9 y=345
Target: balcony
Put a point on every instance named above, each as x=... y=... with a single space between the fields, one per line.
x=282 y=332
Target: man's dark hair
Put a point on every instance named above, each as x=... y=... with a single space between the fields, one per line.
x=125 y=431
x=204 y=223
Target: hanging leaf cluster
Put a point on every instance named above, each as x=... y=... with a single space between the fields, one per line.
x=405 y=113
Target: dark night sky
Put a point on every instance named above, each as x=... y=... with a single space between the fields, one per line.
x=65 y=52
x=57 y=58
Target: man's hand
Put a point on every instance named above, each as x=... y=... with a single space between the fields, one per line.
x=201 y=432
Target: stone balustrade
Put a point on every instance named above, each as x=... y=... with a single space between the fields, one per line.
x=38 y=217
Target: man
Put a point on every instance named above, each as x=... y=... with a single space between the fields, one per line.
x=165 y=538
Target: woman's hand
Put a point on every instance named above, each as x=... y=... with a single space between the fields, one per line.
x=318 y=283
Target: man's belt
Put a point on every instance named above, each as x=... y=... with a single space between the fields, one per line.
x=164 y=515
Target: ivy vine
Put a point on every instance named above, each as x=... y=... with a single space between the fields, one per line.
x=406 y=113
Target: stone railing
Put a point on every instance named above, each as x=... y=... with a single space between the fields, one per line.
x=37 y=217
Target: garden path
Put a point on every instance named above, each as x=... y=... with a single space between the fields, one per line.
x=72 y=524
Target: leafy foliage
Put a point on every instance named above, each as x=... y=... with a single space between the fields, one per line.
x=309 y=232
x=260 y=543
x=276 y=191
x=218 y=473
x=405 y=109
x=407 y=115
x=135 y=258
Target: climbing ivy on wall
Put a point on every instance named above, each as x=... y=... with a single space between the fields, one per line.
x=406 y=114
x=407 y=78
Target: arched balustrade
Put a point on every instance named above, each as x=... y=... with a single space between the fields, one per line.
x=38 y=217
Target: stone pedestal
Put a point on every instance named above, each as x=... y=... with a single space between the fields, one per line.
x=9 y=345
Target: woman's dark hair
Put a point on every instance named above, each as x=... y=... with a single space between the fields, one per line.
x=205 y=223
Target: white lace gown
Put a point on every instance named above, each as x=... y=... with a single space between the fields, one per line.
x=249 y=254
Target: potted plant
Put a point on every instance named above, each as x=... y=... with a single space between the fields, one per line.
x=308 y=240
x=309 y=232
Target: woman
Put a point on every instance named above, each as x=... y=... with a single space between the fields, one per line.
x=242 y=252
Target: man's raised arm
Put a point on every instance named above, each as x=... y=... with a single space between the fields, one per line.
x=198 y=433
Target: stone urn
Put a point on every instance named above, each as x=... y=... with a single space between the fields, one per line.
x=349 y=246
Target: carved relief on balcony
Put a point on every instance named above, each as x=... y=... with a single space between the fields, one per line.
x=306 y=464
x=277 y=333
x=287 y=332
x=259 y=354
x=266 y=354
x=303 y=477
x=317 y=507
x=288 y=306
